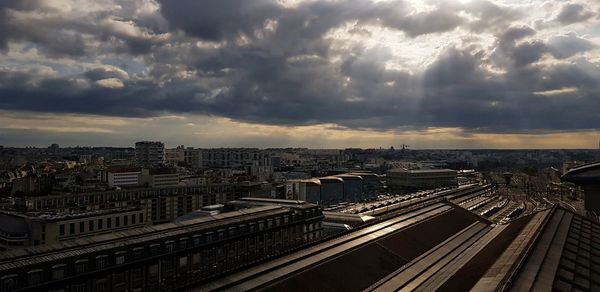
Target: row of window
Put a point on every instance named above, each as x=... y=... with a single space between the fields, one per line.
x=230 y=252
x=130 y=195
x=99 y=224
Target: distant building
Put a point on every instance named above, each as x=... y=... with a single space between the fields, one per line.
x=353 y=187
x=26 y=185
x=121 y=176
x=403 y=179
x=159 y=177
x=332 y=190
x=347 y=187
x=308 y=190
x=256 y=162
x=167 y=257
x=160 y=205
x=149 y=153
x=24 y=230
x=14 y=232
x=192 y=157
x=174 y=156
x=372 y=184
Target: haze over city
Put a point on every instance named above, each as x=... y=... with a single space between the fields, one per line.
x=318 y=74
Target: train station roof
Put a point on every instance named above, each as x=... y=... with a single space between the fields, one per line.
x=583 y=174
x=440 y=247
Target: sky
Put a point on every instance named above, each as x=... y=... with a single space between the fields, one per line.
x=293 y=73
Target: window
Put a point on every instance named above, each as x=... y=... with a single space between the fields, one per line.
x=153 y=271
x=136 y=274
x=9 y=282
x=91 y=225
x=100 y=224
x=34 y=277
x=120 y=258
x=78 y=287
x=155 y=249
x=81 y=266
x=125 y=220
x=62 y=230
x=118 y=278
x=101 y=285
x=81 y=227
x=196 y=259
x=101 y=261
x=169 y=246
x=117 y=221
x=183 y=262
x=108 y=222
x=138 y=253
x=58 y=272
x=141 y=217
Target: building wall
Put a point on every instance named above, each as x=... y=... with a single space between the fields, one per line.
x=313 y=192
x=169 y=262
x=421 y=179
x=165 y=180
x=372 y=184
x=120 y=179
x=175 y=156
x=123 y=198
x=332 y=191
x=148 y=153
x=353 y=188
x=158 y=180
x=61 y=230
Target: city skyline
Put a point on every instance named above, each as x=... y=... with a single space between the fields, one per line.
x=499 y=74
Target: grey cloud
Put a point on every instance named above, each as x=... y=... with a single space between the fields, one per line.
x=104 y=73
x=425 y=22
x=565 y=46
x=516 y=33
x=66 y=35
x=216 y=20
x=19 y=4
x=572 y=13
x=228 y=19
x=490 y=15
x=528 y=52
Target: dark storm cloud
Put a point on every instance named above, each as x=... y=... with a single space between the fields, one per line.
x=215 y=20
x=262 y=62
x=220 y=20
x=6 y=29
x=573 y=12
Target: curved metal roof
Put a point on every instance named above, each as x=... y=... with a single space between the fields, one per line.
x=582 y=174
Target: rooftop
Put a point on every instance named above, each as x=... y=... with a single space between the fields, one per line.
x=440 y=247
x=53 y=252
x=585 y=173
x=421 y=170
